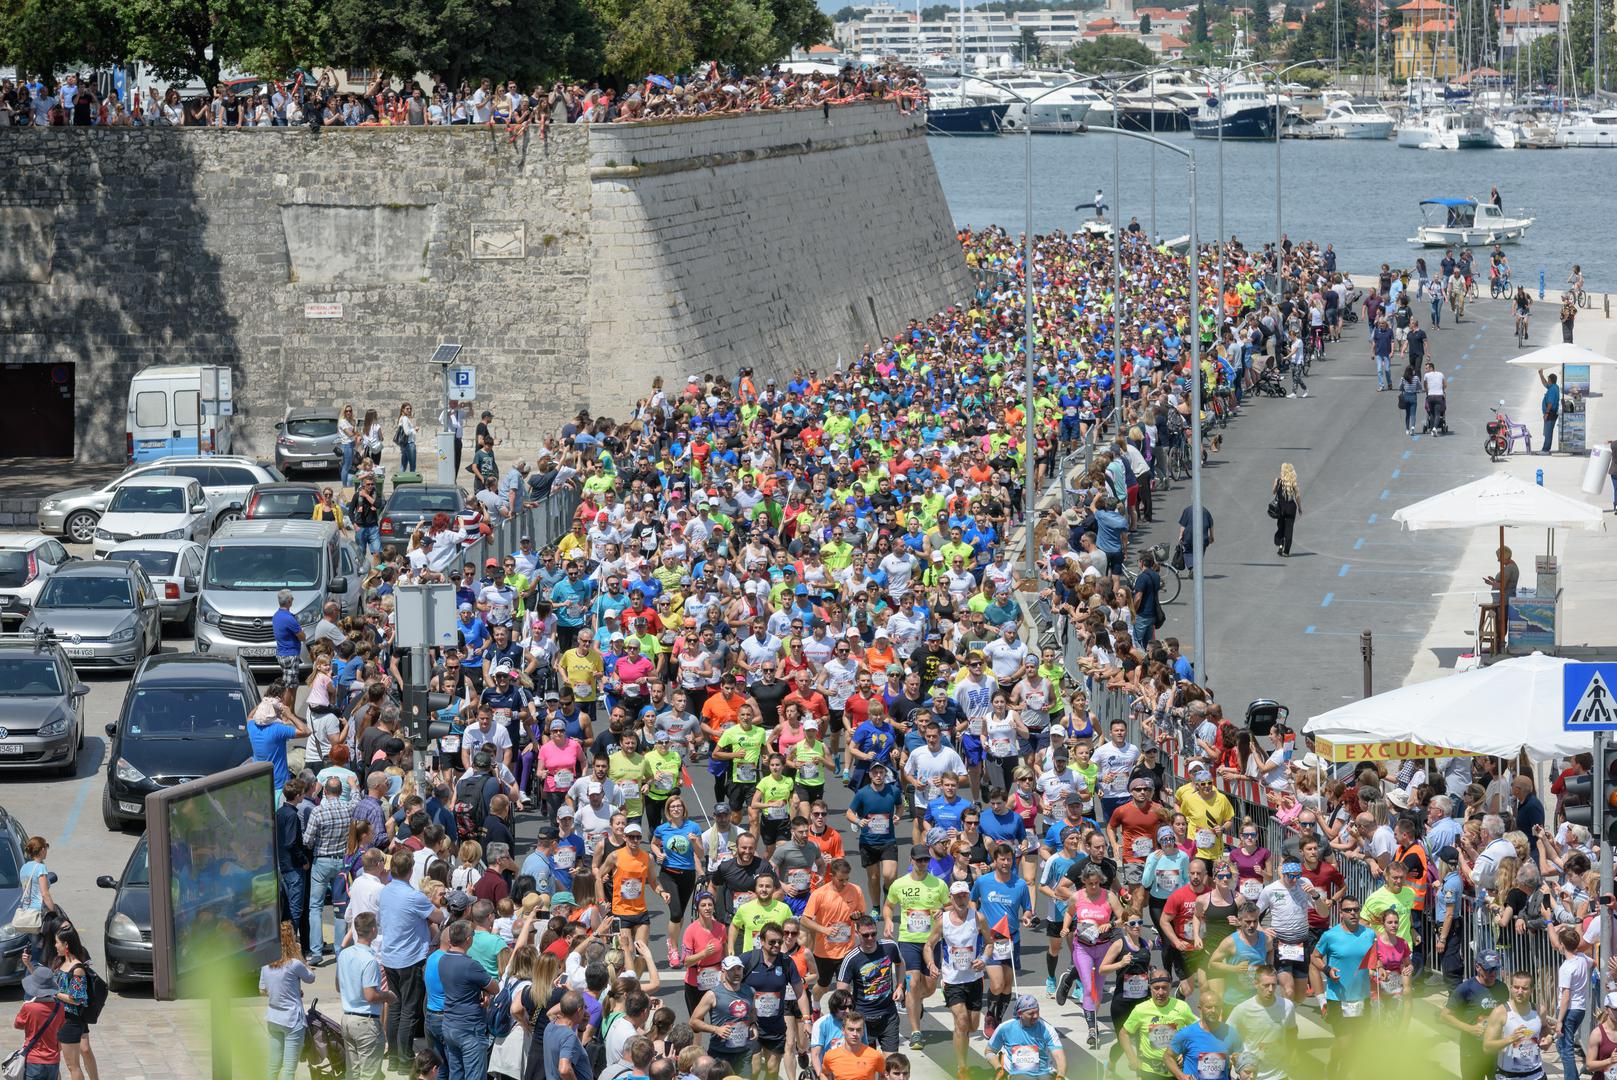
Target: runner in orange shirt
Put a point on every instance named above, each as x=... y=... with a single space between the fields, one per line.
x=854 y=1060
x=829 y=915
x=630 y=870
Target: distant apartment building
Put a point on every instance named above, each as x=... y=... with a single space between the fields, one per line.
x=994 y=39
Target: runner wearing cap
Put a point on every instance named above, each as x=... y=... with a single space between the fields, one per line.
x=719 y=840
x=1286 y=903
x=727 y=1014
x=1151 y=1026
x=811 y=761
x=957 y=952
x=629 y=869
x=571 y=851
x=1467 y=1011
x=913 y=902
x=559 y=760
x=1051 y=874
x=665 y=769
x=873 y=811
x=1208 y=812
x=1028 y=1046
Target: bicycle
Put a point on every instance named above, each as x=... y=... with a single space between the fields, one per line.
x=1521 y=330
x=1172 y=583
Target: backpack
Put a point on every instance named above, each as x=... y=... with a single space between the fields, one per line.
x=471 y=804
x=95 y=988
x=498 y=1013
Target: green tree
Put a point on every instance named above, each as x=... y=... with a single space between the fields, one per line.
x=1145 y=24
x=45 y=36
x=181 y=39
x=849 y=14
x=798 y=24
x=1260 y=22
x=527 y=40
x=1198 y=23
x=1109 y=53
x=660 y=36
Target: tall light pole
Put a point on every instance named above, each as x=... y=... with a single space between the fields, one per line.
x=1279 y=116
x=1029 y=366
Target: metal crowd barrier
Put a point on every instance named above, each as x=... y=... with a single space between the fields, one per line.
x=546 y=522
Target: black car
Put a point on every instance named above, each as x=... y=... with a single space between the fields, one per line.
x=412 y=504
x=183 y=717
x=12 y=945
x=129 y=924
x=290 y=499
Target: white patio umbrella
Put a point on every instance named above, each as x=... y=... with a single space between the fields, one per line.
x=1500 y=500
x=1498 y=710
x=1561 y=353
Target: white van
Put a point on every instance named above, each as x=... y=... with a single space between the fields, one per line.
x=178 y=409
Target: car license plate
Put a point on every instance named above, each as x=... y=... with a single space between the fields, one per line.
x=11 y=749
x=255 y=653
x=81 y=652
x=131 y=807
x=152 y=444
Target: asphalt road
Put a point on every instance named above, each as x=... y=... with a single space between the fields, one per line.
x=1289 y=629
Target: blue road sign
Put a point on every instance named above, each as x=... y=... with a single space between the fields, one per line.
x=1587 y=703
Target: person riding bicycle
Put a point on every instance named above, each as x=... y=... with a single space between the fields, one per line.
x=1524 y=310
x=1574 y=283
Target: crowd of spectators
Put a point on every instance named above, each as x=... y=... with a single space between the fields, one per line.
x=319 y=101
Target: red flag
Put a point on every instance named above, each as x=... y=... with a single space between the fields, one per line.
x=1002 y=928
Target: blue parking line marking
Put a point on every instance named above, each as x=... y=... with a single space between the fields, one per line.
x=1395 y=473
x=1385 y=492
x=1457 y=367
x=1309 y=630
x=1344 y=571
x=1359 y=543
x=1407 y=453
x=1327 y=601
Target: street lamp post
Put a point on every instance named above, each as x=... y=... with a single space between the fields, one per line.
x=1278 y=187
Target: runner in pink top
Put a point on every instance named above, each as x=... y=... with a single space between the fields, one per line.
x=561 y=761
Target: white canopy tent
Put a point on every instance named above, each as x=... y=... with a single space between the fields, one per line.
x=1561 y=352
x=1499 y=710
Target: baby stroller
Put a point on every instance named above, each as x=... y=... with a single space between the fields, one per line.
x=322 y=1046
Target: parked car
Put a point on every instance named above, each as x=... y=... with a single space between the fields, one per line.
x=12 y=945
x=307 y=439
x=105 y=614
x=183 y=717
x=128 y=948
x=226 y=480
x=248 y=563
x=41 y=705
x=411 y=504
x=175 y=567
x=152 y=508
x=292 y=500
x=27 y=560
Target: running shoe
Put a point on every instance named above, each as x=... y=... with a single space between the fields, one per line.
x=990 y=1025
x=673 y=955
x=1064 y=987
x=1094 y=1036
x=916 y=1042
x=1050 y=985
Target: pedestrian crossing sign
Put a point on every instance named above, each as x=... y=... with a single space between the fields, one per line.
x=1587 y=702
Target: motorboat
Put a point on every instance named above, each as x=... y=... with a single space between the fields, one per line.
x=1345 y=120
x=962 y=116
x=1060 y=111
x=1244 y=110
x=1507 y=134
x=1456 y=222
x=1447 y=129
x=1160 y=101
x=1591 y=130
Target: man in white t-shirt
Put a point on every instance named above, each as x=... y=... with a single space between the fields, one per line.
x=1006 y=655
x=365 y=892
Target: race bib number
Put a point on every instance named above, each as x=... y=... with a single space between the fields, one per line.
x=775 y=813
x=767 y=1003
x=663 y=783
x=1210 y=1066
x=1002 y=949
x=961 y=957
x=1168 y=877
x=1161 y=1036
x=746 y=774
x=630 y=788
x=879 y=825
x=1001 y=746
x=707 y=978
x=450 y=744
x=1251 y=889
x=1205 y=839
x=839 y=933
x=1392 y=982
x=797 y=880
x=630 y=889
x=1024 y=1059
x=1141 y=847
x=745 y=898
x=563 y=779
x=1135 y=986
x=565 y=857
x=918 y=922
x=583 y=690
x=809 y=770
x=1352 y=1008
x=1070 y=411
x=502 y=717
x=1292 y=954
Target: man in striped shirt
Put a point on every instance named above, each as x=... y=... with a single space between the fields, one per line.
x=326 y=837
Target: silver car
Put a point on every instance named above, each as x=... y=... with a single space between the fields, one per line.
x=308 y=439
x=225 y=480
x=41 y=725
x=104 y=614
x=27 y=560
x=175 y=567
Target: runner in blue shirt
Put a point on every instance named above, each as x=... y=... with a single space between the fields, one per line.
x=1028 y=1046
x=1002 y=823
x=1205 y=1049
x=1004 y=900
x=874 y=812
x=1340 y=958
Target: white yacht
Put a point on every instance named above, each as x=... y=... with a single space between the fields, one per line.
x=1345 y=120
x=1245 y=110
x=1445 y=129
x=1160 y=101
x=1591 y=130
x=1456 y=222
